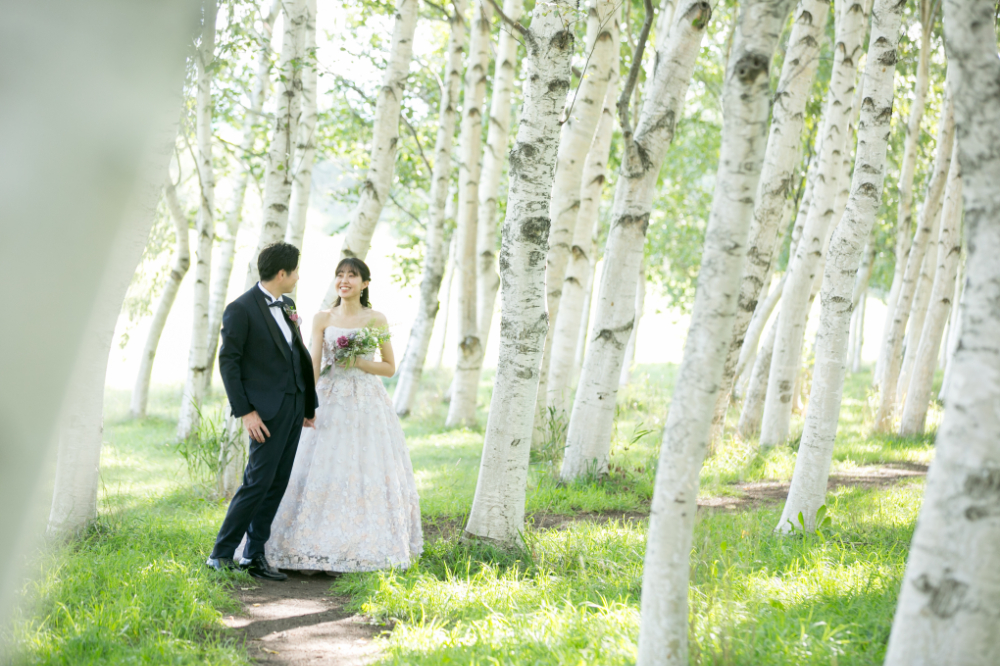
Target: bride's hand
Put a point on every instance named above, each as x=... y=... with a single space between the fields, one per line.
x=349 y=362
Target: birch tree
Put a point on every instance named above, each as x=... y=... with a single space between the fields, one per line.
x=592 y=416
x=908 y=166
x=892 y=342
x=462 y=409
x=198 y=368
x=812 y=464
x=497 y=510
x=494 y=159
x=305 y=146
x=803 y=267
x=949 y=251
x=949 y=593
x=753 y=403
x=640 y=301
x=374 y=190
x=918 y=312
x=280 y=175
x=746 y=106
x=179 y=267
x=601 y=50
x=435 y=256
x=575 y=301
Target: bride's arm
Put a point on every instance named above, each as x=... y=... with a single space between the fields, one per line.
x=387 y=366
x=316 y=343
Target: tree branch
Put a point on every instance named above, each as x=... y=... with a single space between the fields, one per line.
x=420 y=148
x=633 y=74
x=514 y=25
x=401 y=207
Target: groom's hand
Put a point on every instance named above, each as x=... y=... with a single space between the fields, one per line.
x=309 y=423
x=253 y=424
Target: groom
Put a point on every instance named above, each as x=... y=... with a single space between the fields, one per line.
x=268 y=375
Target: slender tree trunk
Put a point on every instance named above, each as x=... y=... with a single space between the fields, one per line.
x=753 y=403
x=589 y=435
x=182 y=261
x=385 y=136
x=435 y=256
x=198 y=368
x=570 y=335
x=859 y=301
x=892 y=342
x=761 y=316
x=601 y=51
x=777 y=179
x=745 y=102
x=498 y=506
x=904 y=211
x=954 y=329
x=281 y=164
x=640 y=300
x=918 y=314
x=804 y=267
x=494 y=159
x=812 y=464
x=581 y=339
x=449 y=279
x=81 y=423
x=949 y=251
x=946 y=611
x=227 y=232
x=465 y=388
x=305 y=148
x=858 y=333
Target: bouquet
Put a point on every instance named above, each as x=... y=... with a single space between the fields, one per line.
x=357 y=343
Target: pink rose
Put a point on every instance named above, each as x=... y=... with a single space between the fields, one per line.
x=343 y=342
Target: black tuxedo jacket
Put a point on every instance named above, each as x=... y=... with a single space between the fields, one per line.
x=255 y=360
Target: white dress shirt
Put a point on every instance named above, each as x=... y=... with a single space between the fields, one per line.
x=278 y=315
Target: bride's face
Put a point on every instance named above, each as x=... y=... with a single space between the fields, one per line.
x=349 y=284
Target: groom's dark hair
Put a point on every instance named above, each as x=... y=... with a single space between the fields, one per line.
x=275 y=257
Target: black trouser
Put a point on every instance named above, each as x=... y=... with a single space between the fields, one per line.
x=264 y=481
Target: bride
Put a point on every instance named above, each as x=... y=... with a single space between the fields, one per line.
x=351 y=502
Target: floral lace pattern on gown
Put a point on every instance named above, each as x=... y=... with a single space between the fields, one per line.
x=351 y=502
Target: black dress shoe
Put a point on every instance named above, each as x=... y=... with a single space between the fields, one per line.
x=258 y=567
x=222 y=563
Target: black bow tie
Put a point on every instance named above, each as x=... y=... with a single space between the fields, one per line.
x=276 y=304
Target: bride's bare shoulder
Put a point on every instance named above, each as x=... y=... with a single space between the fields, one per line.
x=322 y=318
x=377 y=318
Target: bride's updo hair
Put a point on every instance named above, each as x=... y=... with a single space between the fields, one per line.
x=359 y=268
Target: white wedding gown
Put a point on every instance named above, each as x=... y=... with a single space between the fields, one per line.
x=351 y=502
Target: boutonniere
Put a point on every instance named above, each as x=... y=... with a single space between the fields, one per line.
x=292 y=314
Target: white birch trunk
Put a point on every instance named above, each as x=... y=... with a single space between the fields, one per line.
x=950 y=592
x=640 y=300
x=494 y=159
x=918 y=314
x=435 y=256
x=753 y=403
x=892 y=342
x=195 y=384
x=465 y=388
x=385 y=137
x=745 y=102
x=181 y=263
x=804 y=266
x=949 y=250
x=857 y=333
x=581 y=340
x=954 y=329
x=904 y=211
x=305 y=148
x=569 y=338
x=81 y=422
x=497 y=512
x=760 y=318
x=601 y=50
x=589 y=434
x=223 y=269
x=777 y=178
x=812 y=464
x=280 y=175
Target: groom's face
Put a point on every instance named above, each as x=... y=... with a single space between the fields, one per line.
x=287 y=280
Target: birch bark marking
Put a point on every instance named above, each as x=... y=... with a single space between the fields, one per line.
x=385 y=139
x=812 y=464
x=601 y=49
x=892 y=343
x=497 y=510
x=412 y=366
x=804 y=266
x=181 y=263
x=778 y=173
x=578 y=283
x=462 y=409
x=949 y=250
x=951 y=588
x=745 y=102
x=494 y=158
x=280 y=174
x=305 y=146
x=195 y=384
x=589 y=435
x=904 y=211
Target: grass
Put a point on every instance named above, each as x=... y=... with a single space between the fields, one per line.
x=134 y=589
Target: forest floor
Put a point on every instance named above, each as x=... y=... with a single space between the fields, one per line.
x=134 y=589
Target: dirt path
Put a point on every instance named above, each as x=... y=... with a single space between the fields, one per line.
x=298 y=622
